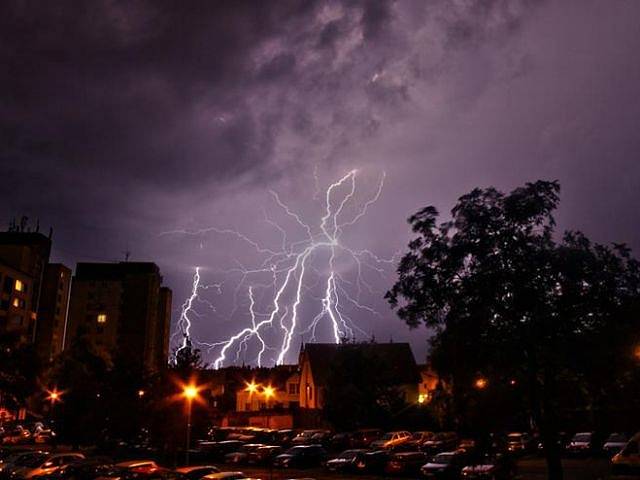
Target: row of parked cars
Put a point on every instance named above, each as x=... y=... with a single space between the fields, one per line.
x=20 y=434
x=32 y=464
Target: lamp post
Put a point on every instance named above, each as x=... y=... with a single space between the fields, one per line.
x=268 y=392
x=190 y=393
x=54 y=396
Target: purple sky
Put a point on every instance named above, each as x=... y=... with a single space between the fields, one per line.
x=123 y=120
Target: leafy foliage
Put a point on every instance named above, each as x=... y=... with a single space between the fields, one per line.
x=507 y=301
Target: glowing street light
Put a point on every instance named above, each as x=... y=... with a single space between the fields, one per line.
x=141 y=393
x=481 y=383
x=269 y=392
x=190 y=393
x=54 y=396
x=251 y=387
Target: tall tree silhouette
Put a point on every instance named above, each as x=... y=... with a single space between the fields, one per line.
x=508 y=302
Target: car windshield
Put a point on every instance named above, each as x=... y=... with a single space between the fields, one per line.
x=582 y=437
x=514 y=437
x=34 y=460
x=387 y=436
x=617 y=437
x=443 y=458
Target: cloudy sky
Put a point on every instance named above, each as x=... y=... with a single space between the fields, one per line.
x=123 y=121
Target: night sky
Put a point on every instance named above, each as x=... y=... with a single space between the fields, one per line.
x=122 y=121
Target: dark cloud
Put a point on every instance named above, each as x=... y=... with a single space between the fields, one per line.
x=123 y=119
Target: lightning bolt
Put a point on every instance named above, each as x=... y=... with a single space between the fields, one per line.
x=290 y=270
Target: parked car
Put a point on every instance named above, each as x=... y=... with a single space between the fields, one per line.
x=405 y=463
x=16 y=435
x=614 y=443
x=441 y=442
x=197 y=472
x=364 y=437
x=347 y=461
x=220 y=449
x=444 y=465
x=340 y=441
x=467 y=445
x=627 y=460
x=264 y=454
x=373 y=462
x=418 y=439
x=306 y=437
x=44 y=436
x=242 y=455
x=43 y=464
x=226 y=476
x=490 y=467
x=301 y=456
x=391 y=440
x=583 y=443
x=11 y=462
x=284 y=437
x=87 y=469
x=520 y=442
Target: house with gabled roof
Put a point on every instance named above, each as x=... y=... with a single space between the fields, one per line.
x=316 y=359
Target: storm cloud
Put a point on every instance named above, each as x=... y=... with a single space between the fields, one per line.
x=123 y=120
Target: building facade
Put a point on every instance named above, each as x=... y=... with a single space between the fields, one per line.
x=52 y=311
x=123 y=310
x=23 y=259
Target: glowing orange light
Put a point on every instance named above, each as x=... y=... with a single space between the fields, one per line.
x=54 y=395
x=269 y=391
x=190 y=392
x=251 y=387
x=481 y=383
x=636 y=352
x=141 y=393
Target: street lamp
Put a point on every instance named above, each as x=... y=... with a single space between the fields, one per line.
x=190 y=393
x=481 y=383
x=268 y=392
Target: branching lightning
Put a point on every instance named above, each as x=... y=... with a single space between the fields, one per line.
x=286 y=274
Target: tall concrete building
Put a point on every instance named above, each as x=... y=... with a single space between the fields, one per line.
x=23 y=258
x=52 y=311
x=124 y=311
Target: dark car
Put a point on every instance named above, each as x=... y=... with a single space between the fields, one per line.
x=197 y=472
x=340 y=441
x=284 y=437
x=444 y=465
x=441 y=442
x=417 y=440
x=364 y=437
x=614 y=443
x=373 y=462
x=220 y=449
x=241 y=456
x=520 y=442
x=87 y=469
x=347 y=461
x=405 y=463
x=301 y=456
x=264 y=455
x=490 y=467
x=582 y=444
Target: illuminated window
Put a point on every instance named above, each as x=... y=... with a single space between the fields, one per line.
x=19 y=286
x=16 y=302
x=102 y=318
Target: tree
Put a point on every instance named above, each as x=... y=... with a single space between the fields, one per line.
x=509 y=303
x=361 y=389
x=19 y=369
x=80 y=373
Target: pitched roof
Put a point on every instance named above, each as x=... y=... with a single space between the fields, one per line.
x=398 y=356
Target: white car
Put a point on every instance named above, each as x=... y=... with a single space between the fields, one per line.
x=392 y=439
x=44 y=464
